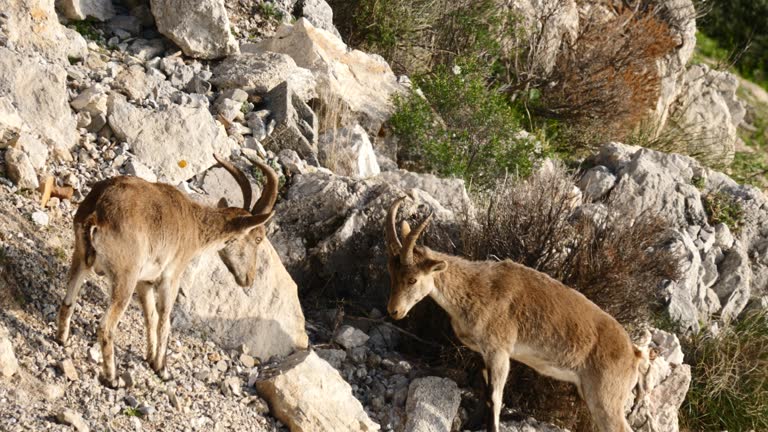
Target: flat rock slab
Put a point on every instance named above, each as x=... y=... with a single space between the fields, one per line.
x=308 y=394
x=432 y=404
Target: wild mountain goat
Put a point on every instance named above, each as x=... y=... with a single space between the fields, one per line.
x=142 y=235
x=505 y=310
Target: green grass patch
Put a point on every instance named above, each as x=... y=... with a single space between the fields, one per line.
x=723 y=208
x=729 y=387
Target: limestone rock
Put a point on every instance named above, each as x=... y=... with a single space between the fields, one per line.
x=39 y=92
x=709 y=109
x=308 y=394
x=33 y=27
x=432 y=405
x=348 y=152
x=8 y=363
x=200 y=28
x=596 y=182
x=347 y=79
x=101 y=10
x=263 y=71
x=20 y=169
x=295 y=123
x=11 y=122
x=176 y=143
x=734 y=285
x=34 y=148
x=138 y=169
x=71 y=418
x=266 y=317
x=350 y=337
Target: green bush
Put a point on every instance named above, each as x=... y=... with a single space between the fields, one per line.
x=462 y=127
x=738 y=26
x=729 y=386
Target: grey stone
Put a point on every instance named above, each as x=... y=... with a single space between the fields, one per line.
x=68 y=369
x=263 y=71
x=296 y=123
x=734 y=285
x=201 y=29
x=20 y=170
x=8 y=363
x=335 y=357
x=71 y=418
x=432 y=404
x=306 y=393
x=126 y=23
x=597 y=182
x=101 y=10
x=350 y=337
x=135 y=168
x=177 y=143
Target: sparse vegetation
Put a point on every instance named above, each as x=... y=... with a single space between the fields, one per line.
x=723 y=208
x=87 y=29
x=729 y=387
x=269 y=12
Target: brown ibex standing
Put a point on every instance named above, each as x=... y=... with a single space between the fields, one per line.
x=142 y=235
x=505 y=310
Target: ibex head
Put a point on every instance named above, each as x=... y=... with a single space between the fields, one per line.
x=248 y=225
x=411 y=270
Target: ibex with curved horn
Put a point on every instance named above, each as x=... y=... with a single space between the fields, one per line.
x=142 y=235
x=505 y=310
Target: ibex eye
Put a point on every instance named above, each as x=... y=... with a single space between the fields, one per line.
x=411 y=281
x=258 y=239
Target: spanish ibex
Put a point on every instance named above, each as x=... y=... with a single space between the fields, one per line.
x=505 y=310
x=142 y=235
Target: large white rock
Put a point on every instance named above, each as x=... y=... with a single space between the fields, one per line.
x=432 y=405
x=11 y=122
x=39 y=92
x=102 y=10
x=177 y=143
x=266 y=317
x=200 y=28
x=665 y=381
x=308 y=394
x=8 y=363
x=263 y=71
x=348 y=152
x=20 y=169
x=346 y=79
x=708 y=109
x=33 y=27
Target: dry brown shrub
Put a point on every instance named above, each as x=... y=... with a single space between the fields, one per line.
x=606 y=80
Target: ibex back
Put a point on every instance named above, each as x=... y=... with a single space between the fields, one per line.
x=142 y=235
x=504 y=310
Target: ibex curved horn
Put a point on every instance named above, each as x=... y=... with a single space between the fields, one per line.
x=269 y=193
x=245 y=185
x=406 y=253
x=392 y=241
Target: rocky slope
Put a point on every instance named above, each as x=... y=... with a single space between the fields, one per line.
x=156 y=88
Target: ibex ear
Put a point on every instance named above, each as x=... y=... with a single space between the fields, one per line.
x=247 y=223
x=436 y=266
x=222 y=203
x=405 y=229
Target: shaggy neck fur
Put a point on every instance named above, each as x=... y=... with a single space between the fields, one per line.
x=451 y=291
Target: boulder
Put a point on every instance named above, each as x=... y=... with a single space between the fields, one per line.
x=348 y=80
x=8 y=363
x=176 y=143
x=319 y=14
x=664 y=382
x=263 y=71
x=348 y=152
x=201 y=29
x=34 y=148
x=20 y=169
x=11 y=122
x=33 y=27
x=350 y=337
x=597 y=182
x=101 y=10
x=266 y=317
x=432 y=404
x=332 y=227
x=38 y=91
x=707 y=108
x=307 y=394
x=295 y=123
x=733 y=288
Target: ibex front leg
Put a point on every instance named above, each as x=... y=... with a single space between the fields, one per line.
x=497 y=369
x=124 y=285
x=166 y=297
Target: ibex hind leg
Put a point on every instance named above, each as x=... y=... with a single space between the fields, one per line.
x=606 y=404
x=146 y=293
x=77 y=270
x=124 y=285
x=166 y=297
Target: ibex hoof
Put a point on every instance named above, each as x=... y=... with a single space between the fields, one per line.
x=164 y=375
x=112 y=383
